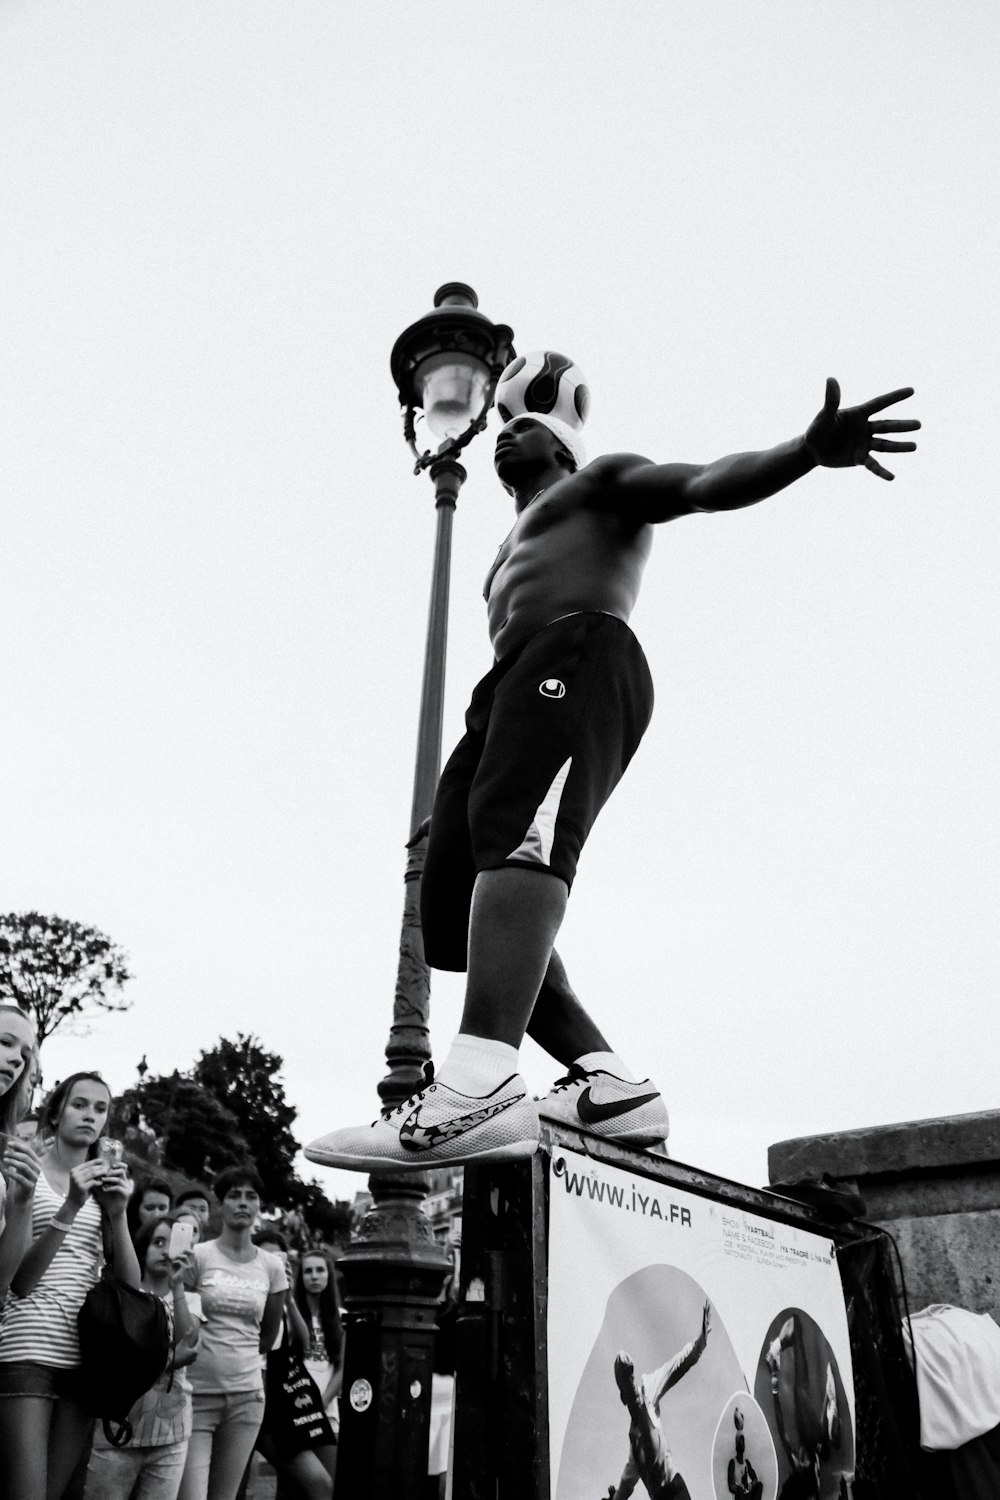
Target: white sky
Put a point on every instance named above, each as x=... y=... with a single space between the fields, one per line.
x=216 y=220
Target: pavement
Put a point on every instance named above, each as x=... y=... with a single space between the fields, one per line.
x=262 y=1482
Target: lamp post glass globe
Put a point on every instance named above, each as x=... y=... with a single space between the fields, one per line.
x=446 y=365
x=451 y=390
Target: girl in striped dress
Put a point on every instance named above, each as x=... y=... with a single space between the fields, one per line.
x=150 y=1467
x=18 y=1070
x=43 y=1425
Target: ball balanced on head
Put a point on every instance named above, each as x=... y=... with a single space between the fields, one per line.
x=550 y=388
x=543 y=383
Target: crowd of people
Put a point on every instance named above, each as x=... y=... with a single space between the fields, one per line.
x=256 y=1343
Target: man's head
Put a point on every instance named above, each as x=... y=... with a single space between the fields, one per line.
x=195 y=1199
x=626 y=1383
x=533 y=442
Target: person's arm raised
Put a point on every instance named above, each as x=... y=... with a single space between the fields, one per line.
x=836 y=438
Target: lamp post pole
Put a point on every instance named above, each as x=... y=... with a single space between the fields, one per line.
x=393 y=1270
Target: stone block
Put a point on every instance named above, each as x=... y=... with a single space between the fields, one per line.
x=934 y=1185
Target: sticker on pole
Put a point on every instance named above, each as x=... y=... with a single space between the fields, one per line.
x=361 y=1395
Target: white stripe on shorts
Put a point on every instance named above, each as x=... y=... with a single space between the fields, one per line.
x=536 y=846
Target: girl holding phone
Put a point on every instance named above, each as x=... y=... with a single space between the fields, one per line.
x=43 y=1425
x=150 y=1467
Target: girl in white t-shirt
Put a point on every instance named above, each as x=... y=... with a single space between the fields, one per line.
x=242 y=1293
x=43 y=1425
x=316 y=1299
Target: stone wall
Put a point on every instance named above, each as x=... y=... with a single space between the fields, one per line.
x=934 y=1185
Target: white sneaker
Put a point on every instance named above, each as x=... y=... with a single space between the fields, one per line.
x=604 y=1105
x=437 y=1126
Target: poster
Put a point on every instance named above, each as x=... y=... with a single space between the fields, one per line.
x=694 y=1349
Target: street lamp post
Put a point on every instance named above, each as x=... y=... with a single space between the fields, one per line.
x=446 y=365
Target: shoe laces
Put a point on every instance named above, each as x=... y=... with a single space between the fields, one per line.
x=389 y=1111
x=576 y=1074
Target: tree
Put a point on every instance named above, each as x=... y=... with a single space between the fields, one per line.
x=194 y=1132
x=57 y=971
x=243 y=1078
x=332 y=1220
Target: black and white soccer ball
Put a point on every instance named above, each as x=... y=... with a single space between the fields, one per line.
x=543 y=381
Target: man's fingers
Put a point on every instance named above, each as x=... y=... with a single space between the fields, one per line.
x=877 y=468
x=894 y=425
x=831 y=400
x=878 y=402
x=883 y=445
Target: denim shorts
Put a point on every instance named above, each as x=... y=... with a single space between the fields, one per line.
x=226 y=1408
x=49 y=1382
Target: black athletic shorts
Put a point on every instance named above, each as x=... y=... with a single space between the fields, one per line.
x=549 y=733
x=675 y=1490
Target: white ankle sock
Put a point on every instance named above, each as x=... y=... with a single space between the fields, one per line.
x=477 y=1065
x=608 y=1062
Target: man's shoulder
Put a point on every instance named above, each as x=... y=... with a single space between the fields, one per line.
x=600 y=479
x=611 y=466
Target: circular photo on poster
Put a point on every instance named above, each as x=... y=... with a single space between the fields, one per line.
x=799 y=1388
x=744 y=1462
x=647 y=1406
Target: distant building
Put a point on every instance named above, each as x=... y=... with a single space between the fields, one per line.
x=443 y=1205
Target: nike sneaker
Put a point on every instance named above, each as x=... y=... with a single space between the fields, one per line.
x=437 y=1126
x=602 y=1104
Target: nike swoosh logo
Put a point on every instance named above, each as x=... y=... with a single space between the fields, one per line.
x=416 y=1137
x=592 y=1113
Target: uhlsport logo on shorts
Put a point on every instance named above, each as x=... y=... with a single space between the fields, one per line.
x=552 y=688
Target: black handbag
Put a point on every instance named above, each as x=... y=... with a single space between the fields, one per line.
x=294 y=1418
x=124 y=1348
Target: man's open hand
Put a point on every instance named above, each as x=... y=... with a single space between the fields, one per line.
x=837 y=439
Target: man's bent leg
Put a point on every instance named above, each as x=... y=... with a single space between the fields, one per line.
x=516 y=914
x=559 y=1023
x=477 y=1108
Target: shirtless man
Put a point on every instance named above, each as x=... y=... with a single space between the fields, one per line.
x=649 y=1457
x=812 y=1436
x=550 y=730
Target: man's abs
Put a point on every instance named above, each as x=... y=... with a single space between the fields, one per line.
x=562 y=559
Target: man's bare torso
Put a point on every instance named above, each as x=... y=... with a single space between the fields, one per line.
x=568 y=551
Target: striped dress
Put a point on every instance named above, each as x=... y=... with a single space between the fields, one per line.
x=41 y=1328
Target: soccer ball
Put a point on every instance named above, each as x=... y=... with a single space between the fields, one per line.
x=546 y=382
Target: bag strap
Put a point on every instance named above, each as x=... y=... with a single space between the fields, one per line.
x=107 y=1242
x=120 y=1438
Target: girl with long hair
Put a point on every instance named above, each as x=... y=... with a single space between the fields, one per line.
x=150 y=1467
x=43 y=1424
x=306 y=1455
x=18 y=1071
x=316 y=1299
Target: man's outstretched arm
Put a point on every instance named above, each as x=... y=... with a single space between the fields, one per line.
x=836 y=438
x=661 y=1380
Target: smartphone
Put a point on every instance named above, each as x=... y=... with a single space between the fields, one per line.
x=181 y=1238
x=110 y=1152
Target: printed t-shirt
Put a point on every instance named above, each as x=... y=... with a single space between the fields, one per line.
x=233 y=1294
x=41 y=1327
x=163 y=1414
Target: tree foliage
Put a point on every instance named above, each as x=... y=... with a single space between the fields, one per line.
x=194 y=1132
x=57 y=970
x=229 y=1109
x=244 y=1079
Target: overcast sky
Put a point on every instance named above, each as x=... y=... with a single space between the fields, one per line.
x=217 y=218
